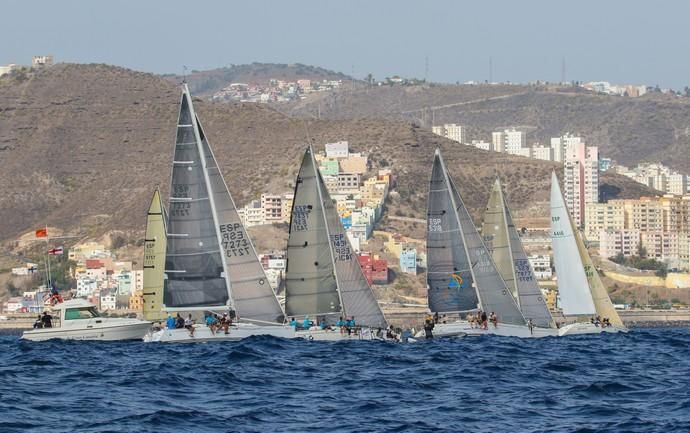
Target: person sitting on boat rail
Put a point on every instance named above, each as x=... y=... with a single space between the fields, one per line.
x=179 y=322
x=189 y=325
x=211 y=322
x=341 y=324
x=485 y=323
x=170 y=322
x=38 y=323
x=293 y=323
x=306 y=323
x=493 y=319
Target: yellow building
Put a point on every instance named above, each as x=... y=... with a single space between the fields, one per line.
x=136 y=301
x=603 y=217
x=550 y=297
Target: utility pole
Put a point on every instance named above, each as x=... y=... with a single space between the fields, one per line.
x=426 y=68
x=563 y=76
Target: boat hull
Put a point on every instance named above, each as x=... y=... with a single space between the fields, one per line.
x=586 y=328
x=462 y=328
x=204 y=334
x=318 y=334
x=110 y=330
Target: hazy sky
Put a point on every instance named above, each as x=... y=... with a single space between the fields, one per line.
x=617 y=41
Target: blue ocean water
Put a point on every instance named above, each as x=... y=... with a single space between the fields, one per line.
x=637 y=382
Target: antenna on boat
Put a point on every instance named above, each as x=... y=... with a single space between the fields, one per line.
x=184 y=74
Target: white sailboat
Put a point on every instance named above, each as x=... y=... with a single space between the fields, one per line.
x=210 y=262
x=324 y=282
x=461 y=274
x=503 y=241
x=581 y=291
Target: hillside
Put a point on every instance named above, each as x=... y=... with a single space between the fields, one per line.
x=206 y=83
x=84 y=145
x=654 y=127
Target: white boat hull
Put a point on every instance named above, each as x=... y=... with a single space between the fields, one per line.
x=317 y=334
x=203 y=333
x=107 y=329
x=462 y=328
x=584 y=328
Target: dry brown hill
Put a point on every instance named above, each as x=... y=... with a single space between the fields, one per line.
x=654 y=127
x=86 y=144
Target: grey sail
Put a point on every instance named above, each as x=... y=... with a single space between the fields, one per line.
x=494 y=295
x=252 y=296
x=310 y=284
x=499 y=229
x=194 y=268
x=449 y=277
x=357 y=296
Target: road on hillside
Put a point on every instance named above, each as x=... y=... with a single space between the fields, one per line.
x=408 y=219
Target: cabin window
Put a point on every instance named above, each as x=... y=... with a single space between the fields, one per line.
x=80 y=313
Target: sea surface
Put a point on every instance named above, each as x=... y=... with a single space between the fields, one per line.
x=636 y=382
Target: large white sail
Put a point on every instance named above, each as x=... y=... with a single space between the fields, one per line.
x=154 y=259
x=502 y=239
x=252 y=295
x=194 y=267
x=450 y=282
x=573 y=287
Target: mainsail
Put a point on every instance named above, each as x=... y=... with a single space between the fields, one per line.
x=310 y=284
x=449 y=277
x=323 y=276
x=253 y=297
x=194 y=266
x=154 y=259
x=502 y=239
x=573 y=287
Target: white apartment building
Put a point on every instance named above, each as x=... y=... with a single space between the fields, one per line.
x=614 y=242
x=510 y=141
x=273 y=208
x=581 y=179
x=451 y=131
x=339 y=149
x=677 y=184
x=561 y=144
x=348 y=182
x=39 y=61
x=253 y=214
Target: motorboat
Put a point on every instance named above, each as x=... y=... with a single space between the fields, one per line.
x=78 y=319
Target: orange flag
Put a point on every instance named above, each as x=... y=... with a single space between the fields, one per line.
x=42 y=233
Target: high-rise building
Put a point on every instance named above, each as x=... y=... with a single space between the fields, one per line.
x=581 y=179
x=561 y=144
x=509 y=141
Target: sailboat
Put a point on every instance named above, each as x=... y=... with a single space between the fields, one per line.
x=154 y=259
x=461 y=274
x=581 y=291
x=324 y=282
x=502 y=239
x=210 y=262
